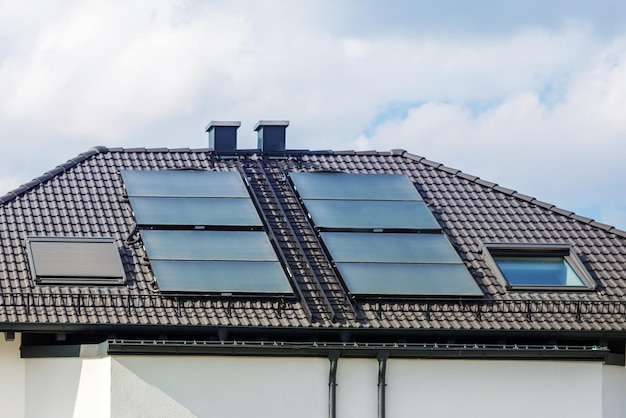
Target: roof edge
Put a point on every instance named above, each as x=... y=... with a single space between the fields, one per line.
x=509 y=192
x=59 y=169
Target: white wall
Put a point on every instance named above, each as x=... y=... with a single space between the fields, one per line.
x=357 y=388
x=225 y=387
x=482 y=388
x=613 y=395
x=204 y=386
x=12 y=378
x=67 y=387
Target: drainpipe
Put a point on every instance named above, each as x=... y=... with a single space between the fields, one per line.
x=382 y=371
x=333 y=356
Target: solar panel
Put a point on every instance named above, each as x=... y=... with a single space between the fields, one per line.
x=145 y=183
x=195 y=211
x=390 y=248
x=216 y=260
x=371 y=214
x=220 y=276
x=208 y=245
x=408 y=279
x=354 y=186
x=394 y=259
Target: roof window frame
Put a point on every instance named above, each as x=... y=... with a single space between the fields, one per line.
x=491 y=251
x=74 y=279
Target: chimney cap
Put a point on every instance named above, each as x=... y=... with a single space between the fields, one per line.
x=260 y=124
x=222 y=123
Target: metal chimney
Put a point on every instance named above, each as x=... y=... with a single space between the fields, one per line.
x=271 y=135
x=223 y=135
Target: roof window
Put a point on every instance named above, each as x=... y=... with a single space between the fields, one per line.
x=74 y=260
x=537 y=266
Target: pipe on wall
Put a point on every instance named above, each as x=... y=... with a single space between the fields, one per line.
x=333 y=356
x=382 y=372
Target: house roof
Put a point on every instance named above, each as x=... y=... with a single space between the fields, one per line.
x=85 y=198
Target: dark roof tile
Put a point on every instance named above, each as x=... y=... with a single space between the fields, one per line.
x=83 y=197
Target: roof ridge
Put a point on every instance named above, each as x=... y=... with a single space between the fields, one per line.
x=510 y=192
x=59 y=169
x=158 y=149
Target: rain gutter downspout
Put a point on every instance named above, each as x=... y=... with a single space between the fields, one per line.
x=333 y=356
x=382 y=372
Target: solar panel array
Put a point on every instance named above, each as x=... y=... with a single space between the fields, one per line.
x=381 y=236
x=202 y=233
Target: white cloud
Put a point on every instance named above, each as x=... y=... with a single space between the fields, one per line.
x=513 y=106
x=107 y=69
x=569 y=153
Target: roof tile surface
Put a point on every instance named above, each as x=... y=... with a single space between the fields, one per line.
x=85 y=197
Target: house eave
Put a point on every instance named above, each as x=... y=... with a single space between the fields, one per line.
x=326 y=349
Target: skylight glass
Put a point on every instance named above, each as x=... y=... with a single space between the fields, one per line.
x=538 y=266
x=75 y=260
x=537 y=271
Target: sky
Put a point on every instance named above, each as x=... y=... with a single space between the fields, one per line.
x=527 y=94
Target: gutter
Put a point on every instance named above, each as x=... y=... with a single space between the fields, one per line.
x=324 y=349
x=360 y=350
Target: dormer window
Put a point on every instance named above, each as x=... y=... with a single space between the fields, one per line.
x=537 y=266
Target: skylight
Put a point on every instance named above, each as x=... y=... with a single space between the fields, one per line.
x=72 y=260
x=202 y=233
x=381 y=236
x=537 y=266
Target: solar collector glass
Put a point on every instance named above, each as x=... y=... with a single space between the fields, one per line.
x=368 y=214
x=408 y=279
x=195 y=211
x=208 y=245
x=220 y=276
x=390 y=248
x=147 y=183
x=354 y=186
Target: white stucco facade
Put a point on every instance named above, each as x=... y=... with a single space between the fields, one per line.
x=276 y=387
x=12 y=378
